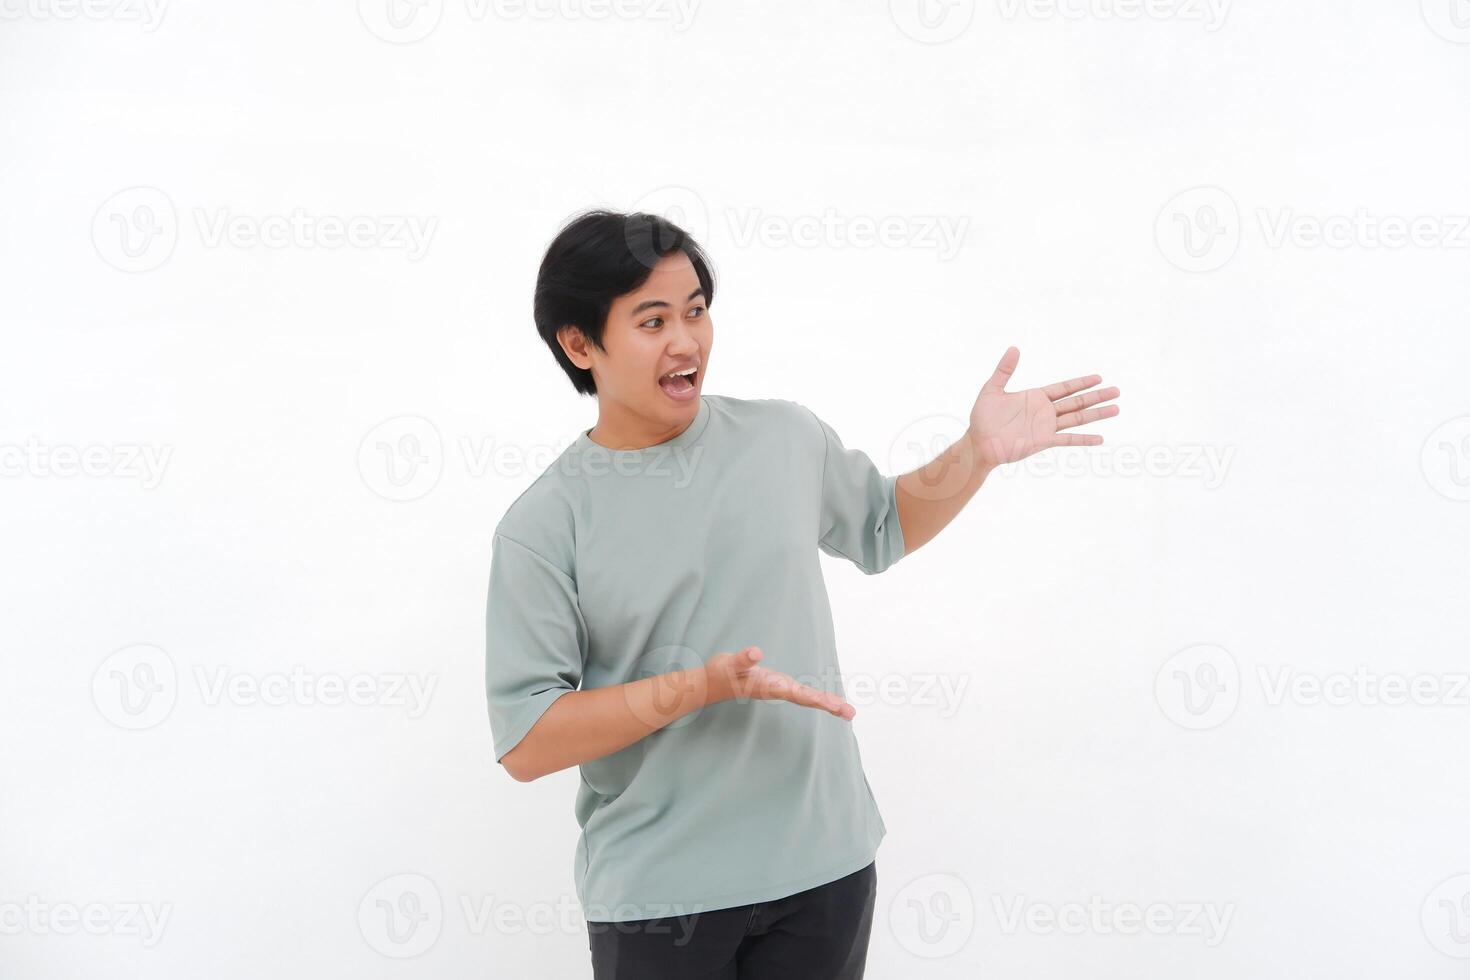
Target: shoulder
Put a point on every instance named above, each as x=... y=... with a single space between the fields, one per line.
x=542 y=518
x=782 y=413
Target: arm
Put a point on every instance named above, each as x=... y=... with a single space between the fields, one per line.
x=1005 y=427
x=589 y=724
x=543 y=719
x=930 y=496
x=584 y=725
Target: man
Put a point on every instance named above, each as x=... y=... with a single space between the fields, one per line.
x=656 y=604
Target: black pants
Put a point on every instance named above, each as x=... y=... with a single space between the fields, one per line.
x=818 y=934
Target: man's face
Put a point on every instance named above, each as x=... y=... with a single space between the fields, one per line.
x=659 y=328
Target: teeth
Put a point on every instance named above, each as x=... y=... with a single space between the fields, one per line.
x=680 y=374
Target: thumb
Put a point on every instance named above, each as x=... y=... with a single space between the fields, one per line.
x=738 y=663
x=1003 y=371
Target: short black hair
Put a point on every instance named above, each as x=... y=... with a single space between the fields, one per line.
x=598 y=256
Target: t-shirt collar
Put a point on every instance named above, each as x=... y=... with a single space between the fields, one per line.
x=691 y=433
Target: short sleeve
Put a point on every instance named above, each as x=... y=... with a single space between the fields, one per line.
x=859 y=516
x=535 y=640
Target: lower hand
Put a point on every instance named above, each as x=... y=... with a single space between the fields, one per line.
x=739 y=675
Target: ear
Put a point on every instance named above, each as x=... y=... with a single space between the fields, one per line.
x=574 y=345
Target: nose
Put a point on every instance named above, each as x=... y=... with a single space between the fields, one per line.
x=681 y=341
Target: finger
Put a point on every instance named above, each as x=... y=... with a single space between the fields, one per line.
x=1064 y=388
x=1082 y=418
x=841 y=708
x=812 y=697
x=743 y=662
x=1076 y=439
x=776 y=686
x=837 y=706
x=1083 y=401
x=1003 y=371
x=806 y=695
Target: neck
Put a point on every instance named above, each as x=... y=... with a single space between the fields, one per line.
x=618 y=427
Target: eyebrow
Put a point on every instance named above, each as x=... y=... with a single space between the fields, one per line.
x=649 y=304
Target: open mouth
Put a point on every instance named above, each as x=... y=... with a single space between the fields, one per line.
x=679 y=385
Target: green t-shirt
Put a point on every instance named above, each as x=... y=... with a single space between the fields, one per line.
x=614 y=565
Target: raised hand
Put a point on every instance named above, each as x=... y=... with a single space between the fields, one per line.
x=1008 y=426
x=738 y=675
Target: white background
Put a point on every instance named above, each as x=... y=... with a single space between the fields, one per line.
x=335 y=428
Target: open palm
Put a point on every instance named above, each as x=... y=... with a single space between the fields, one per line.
x=739 y=675
x=1008 y=426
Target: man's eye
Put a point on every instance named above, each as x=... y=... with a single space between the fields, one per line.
x=655 y=320
x=697 y=311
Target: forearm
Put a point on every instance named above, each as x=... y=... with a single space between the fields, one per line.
x=930 y=496
x=584 y=725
